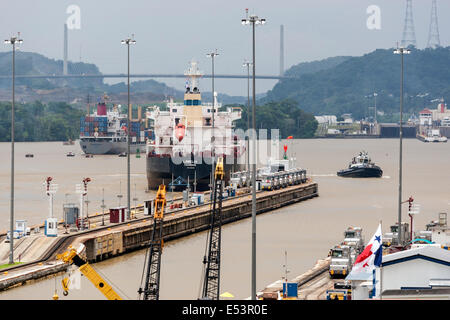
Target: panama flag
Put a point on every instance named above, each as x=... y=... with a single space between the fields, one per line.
x=371 y=256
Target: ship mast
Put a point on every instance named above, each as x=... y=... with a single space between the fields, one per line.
x=193 y=73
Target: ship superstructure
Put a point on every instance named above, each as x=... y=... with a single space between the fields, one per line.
x=182 y=148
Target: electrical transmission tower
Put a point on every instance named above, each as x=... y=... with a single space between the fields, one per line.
x=433 y=35
x=409 y=36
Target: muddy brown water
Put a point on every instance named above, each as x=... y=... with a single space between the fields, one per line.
x=306 y=230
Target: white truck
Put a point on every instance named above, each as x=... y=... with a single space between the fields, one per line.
x=391 y=238
x=353 y=238
x=342 y=258
x=237 y=179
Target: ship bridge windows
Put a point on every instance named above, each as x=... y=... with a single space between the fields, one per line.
x=190 y=102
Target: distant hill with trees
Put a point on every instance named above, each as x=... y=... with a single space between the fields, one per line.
x=283 y=115
x=346 y=84
x=57 y=121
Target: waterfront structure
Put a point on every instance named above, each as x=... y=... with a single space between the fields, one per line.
x=434 y=116
x=327 y=119
x=403 y=277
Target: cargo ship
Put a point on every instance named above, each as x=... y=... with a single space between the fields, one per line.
x=105 y=132
x=183 y=150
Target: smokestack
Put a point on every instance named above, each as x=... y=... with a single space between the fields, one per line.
x=281 y=50
x=65 y=50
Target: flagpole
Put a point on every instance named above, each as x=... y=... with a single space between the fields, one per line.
x=381 y=265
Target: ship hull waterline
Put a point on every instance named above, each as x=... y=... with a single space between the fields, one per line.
x=161 y=170
x=110 y=147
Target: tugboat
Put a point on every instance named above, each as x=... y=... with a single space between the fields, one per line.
x=361 y=167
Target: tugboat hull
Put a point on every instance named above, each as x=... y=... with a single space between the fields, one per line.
x=373 y=172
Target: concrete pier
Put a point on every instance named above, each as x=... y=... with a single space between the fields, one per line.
x=113 y=239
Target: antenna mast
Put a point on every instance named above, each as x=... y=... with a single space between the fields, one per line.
x=433 y=35
x=409 y=36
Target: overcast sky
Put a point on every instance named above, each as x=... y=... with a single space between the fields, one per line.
x=170 y=33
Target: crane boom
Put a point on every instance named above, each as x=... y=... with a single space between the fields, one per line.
x=211 y=282
x=72 y=257
x=152 y=276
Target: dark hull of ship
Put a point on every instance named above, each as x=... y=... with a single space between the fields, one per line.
x=361 y=172
x=93 y=146
x=161 y=170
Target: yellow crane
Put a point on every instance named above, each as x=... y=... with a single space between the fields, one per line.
x=152 y=266
x=211 y=262
x=72 y=256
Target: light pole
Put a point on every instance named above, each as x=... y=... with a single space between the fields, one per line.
x=103 y=206
x=401 y=52
x=135 y=199
x=253 y=20
x=128 y=42
x=375 y=96
x=248 y=65
x=12 y=41
x=212 y=55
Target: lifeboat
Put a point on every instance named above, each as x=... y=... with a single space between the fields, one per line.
x=179 y=131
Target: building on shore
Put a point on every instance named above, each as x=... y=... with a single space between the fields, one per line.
x=435 y=118
x=420 y=272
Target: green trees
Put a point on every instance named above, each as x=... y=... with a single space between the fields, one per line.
x=285 y=116
x=57 y=121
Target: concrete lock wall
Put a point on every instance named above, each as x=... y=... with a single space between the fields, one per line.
x=136 y=237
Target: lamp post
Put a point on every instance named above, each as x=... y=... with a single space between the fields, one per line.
x=128 y=42
x=212 y=55
x=375 y=96
x=253 y=20
x=12 y=41
x=248 y=65
x=103 y=206
x=401 y=52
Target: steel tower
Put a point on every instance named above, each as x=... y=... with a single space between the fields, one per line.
x=409 y=36
x=281 y=50
x=433 y=35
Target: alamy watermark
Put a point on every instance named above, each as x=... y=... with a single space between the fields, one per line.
x=74 y=20
x=374 y=20
x=233 y=145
